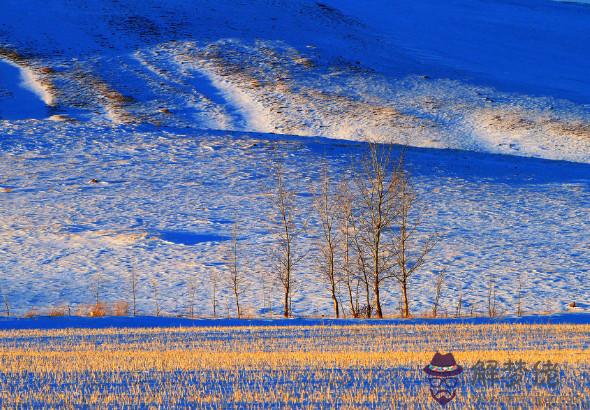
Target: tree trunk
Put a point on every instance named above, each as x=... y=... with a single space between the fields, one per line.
x=406 y=307
x=286 y=308
x=353 y=311
x=134 y=302
x=238 y=305
x=376 y=277
x=368 y=296
x=378 y=311
x=336 y=307
x=214 y=302
x=333 y=283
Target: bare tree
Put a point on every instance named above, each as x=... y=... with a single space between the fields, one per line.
x=97 y=285
x=192 y=291
x=235 y=277
x=6 y=304
x=344 y=206
x=285 y=256
x=325 y=205
x=459 y=302
x=410 y=255
x=133 y=275
x=156 y=296
x=362 y=264
x=262 y=278
x=491 y=295
x=440 y=278
x=377 y=185
x=519 y=291
x=214 y=279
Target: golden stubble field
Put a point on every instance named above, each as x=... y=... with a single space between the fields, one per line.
x=351 y=366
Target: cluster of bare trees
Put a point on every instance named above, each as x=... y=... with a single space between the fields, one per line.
x=366 y=231
x=369 y=233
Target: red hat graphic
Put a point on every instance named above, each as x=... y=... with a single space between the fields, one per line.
x=443 y=365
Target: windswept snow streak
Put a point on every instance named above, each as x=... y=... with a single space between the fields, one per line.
x=187 y=95
x=17 y=101
x=35 y=78
x=30 y=81
x=283 y=90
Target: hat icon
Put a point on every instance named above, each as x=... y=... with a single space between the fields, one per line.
x=443 y=365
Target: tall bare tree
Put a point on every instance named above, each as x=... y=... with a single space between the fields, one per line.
x=325 y=205
x=521 y=279
x=362 y=263
x=438 y=284
x=97 y=286
x=133 y=277
x=459 y=302
x=492 y=311
x=235 y=278
x=377 y=185
x=192 y=292
x=261 y=276
x=6 y=303
x=410 y=254
x=156 y=295
x=285 y=255
x=344 y=207
x=214 y=279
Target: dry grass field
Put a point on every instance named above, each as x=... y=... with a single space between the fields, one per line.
x=353 y=366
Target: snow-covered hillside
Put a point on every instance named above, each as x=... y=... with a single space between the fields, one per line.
x=507 y=77
x=177 y=108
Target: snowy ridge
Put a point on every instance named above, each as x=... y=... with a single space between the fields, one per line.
x=351 y=76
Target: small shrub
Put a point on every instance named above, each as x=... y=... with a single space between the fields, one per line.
x=100 y=309
x=365 y=312
x=46 y=70
x=121 y=308
x=304 y=61
x=57 y=312
x=31 y=313
x=248 y=313
x=117 y=97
